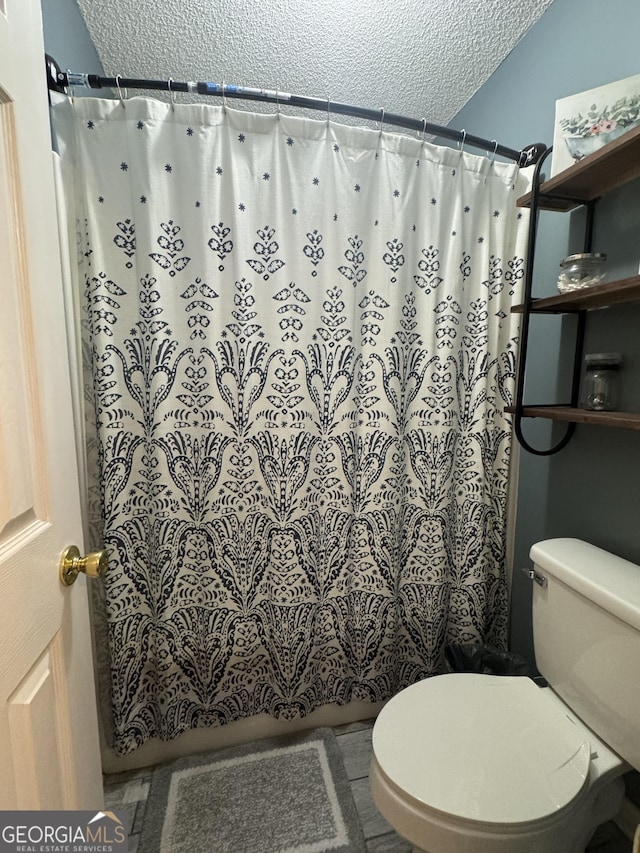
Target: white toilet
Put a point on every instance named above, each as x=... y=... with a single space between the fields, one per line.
x=466 y=763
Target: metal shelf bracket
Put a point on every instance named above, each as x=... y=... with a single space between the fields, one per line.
x=526 y=315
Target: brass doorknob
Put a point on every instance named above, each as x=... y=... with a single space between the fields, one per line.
x=94 y=565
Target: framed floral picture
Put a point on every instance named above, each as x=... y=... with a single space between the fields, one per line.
x=587 y=121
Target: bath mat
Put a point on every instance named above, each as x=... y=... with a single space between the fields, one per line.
x=281 y=795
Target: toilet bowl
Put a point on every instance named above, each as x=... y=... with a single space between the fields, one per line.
x=468 y=763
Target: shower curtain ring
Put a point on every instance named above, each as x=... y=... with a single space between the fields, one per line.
x=329 y=109
x=70 y=90
x=224 y=96
x=464 y=136
x=495 y=148
x=381 y=120
x=120 y=95
x=424 y=128
x=172 y=94
x=278 y=103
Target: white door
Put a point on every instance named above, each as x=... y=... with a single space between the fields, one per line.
x=49 y=753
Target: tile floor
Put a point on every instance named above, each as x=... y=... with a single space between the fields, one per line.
x=129 y=791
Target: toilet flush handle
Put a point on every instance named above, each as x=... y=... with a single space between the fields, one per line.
x=536 y=576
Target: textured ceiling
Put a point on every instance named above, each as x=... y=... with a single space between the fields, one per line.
x=422 y=58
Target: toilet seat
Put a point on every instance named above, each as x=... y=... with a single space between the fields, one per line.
x=488 y=749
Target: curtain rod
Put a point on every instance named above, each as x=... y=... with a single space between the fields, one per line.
x=60 y=81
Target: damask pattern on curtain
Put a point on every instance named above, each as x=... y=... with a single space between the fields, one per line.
x=298 y=348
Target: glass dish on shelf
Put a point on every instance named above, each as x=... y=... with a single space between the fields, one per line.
x=582 y=270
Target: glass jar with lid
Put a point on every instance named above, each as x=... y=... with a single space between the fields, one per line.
x=583 y=270
x=600 y=387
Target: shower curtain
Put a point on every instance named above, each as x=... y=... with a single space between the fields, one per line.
x=298 y=349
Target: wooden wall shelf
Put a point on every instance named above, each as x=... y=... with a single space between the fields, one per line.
x=569 y=414
x=610 y=167
x=583 y=183
x=598 y=296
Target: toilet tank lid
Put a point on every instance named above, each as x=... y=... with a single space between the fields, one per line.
x=609 y=581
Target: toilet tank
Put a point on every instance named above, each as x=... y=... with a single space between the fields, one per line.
x=586 y=630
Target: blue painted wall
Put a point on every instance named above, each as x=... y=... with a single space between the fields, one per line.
x=590 y=490
x=66 y=38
